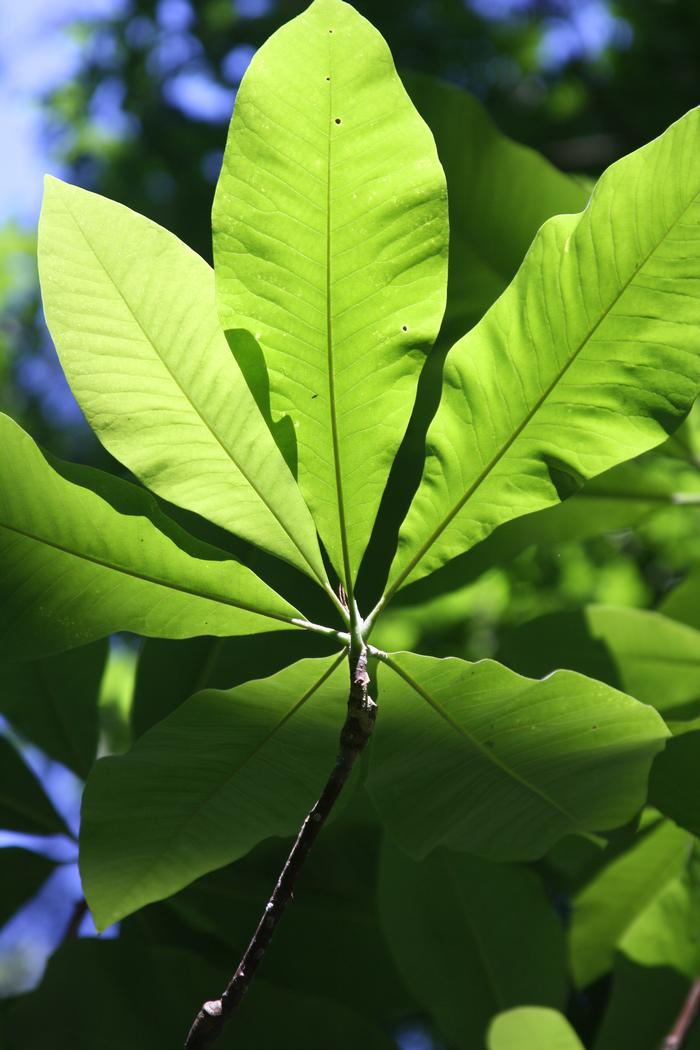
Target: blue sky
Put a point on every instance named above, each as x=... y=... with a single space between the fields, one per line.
x=37 y=53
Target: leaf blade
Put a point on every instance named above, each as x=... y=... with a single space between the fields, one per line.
x=83 y=554
x=454 y=922
x=154 y=375
x=330 y=242
x=544 y=758
x=160 y=816
x=608 y=385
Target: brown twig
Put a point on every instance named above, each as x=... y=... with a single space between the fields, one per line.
x=354 y=735
x=676 y=1036
x=77 y=916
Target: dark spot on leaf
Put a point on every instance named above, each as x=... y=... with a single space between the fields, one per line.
x=328 y=78
x=594 y=727
x=313 y=396
x=404 y=327
x=338 y=120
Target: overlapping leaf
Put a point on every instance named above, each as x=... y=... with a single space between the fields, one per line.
x=470 y=938
x=659 y=957
x=330 y=244
x=499 y=193
x=639 y=651
x=532 y=1028
x=221 y=773
x=589 y=358
x=83 y=554
x=132 y=312
x=54 y=703
x=124 y=993
x=622 y=498
x=609 y=905
x=477 y=758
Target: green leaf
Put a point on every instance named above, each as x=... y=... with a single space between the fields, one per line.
x=109 y=995
x=499 y=195
x=659 y=958
x=336 y=905
x=532 y=1028
x=477 y=758
x=643 y=1007
x=640 y=652
x=470 y=938
x=607 y=907
x=588 y=359
x=83 y=554
x=674 y=784
x=54 y=703
x=133 y=315
x=621 y=498
x=23 y=805
x=22 y=875
x=223 y=772
x=330 y=245
x=683 y=602
x=170 y=672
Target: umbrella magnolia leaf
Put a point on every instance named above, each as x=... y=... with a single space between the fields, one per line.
x=330 y=246
x=587 y=359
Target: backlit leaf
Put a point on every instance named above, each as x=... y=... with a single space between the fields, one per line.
x=83 y=554
x=133 y=315
x=330 y=246
x=223 y=772
x=588 y=359
x=477 y=758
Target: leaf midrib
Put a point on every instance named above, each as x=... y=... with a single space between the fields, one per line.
x=332 y=407
x=133 y=574
x=477 y=745
x=224 y=447
x=505 y=448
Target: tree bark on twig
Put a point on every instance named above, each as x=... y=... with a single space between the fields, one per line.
x=356 y=731
x=676 y=1036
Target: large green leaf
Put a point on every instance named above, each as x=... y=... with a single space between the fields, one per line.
x=223 y=772
x=683 y=602
x=110 y=995
x=532 y=1028
x=499 y=194
x=133 y=315
x=470 y=938
x=477 y=758
x=607 y=907
x=330 y=246
x=643 y=653
x=83 y=554
x=659 y=958
x=54 y=703
x=23 y=805
x=335 y=903
x=589 y=358
x=170 y=671
x=622 y=498
x=674 y=784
